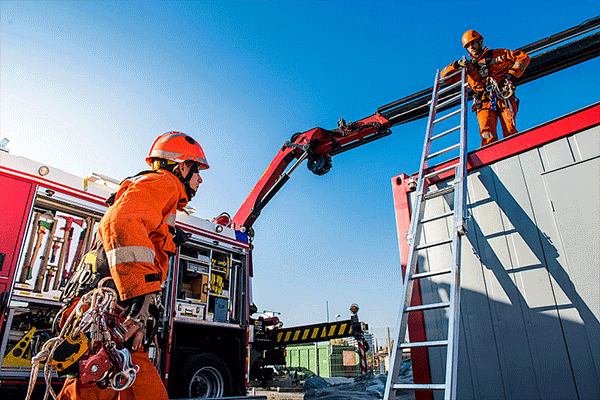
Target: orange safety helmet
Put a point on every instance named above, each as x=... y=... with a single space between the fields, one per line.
x=177 y=147
x=469 y=36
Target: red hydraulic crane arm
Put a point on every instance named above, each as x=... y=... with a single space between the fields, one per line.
x=317 y=145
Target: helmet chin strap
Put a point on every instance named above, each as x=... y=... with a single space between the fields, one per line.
x=189 y=191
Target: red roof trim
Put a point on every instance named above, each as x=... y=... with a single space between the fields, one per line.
x=537 y=136
x=534 y=137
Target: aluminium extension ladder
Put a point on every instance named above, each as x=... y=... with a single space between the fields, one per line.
x=422 y=195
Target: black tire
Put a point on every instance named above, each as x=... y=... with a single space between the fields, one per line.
x=206 y=376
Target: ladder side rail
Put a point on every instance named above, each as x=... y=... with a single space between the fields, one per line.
x=421 y=189
x=458 y=230
x=461 y=193
x=412 y=238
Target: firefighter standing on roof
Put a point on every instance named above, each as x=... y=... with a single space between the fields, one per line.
x=137 y=235
x=491 y=75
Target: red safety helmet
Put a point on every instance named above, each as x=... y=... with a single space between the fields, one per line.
x=177 y=147
x=469 y=36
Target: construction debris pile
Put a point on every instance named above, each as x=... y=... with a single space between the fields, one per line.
x=364 y=387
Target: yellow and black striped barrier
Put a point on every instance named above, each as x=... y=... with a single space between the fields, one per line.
x=314 y=333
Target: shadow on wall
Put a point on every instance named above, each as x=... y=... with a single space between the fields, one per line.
x=528 y=325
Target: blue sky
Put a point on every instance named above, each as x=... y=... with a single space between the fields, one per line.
x=86 y=86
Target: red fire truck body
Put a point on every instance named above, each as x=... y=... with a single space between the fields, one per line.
x=48 y=222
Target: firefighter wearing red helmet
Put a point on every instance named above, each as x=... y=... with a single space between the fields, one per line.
x=491 y=75
x=137 y=233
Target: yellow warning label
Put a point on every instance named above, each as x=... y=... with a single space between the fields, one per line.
x=305 y=334
x=342 y=329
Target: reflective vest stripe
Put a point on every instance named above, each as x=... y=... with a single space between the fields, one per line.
x=127 y=254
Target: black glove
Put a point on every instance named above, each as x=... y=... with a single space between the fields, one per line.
x=139 y=310
x=509 y=79
x=462 y=63
x=179 y=236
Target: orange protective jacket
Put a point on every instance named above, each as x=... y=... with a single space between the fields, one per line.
x=135 y=231
x=493 y=63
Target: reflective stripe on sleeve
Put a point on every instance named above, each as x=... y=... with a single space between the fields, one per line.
x=126 y=254
x=170 y=220
x=519 y=65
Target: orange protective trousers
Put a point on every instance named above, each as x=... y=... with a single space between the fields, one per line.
x=147 y=385
x=488 y=121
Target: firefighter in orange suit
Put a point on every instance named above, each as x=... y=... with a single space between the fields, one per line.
x=491 y=75
x=137 y=235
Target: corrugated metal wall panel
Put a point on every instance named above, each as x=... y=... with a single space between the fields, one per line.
x=576 y=215
x=503 y=296
x=585 y=145
x=530 y=276
x=534 y=290
x=556 y=154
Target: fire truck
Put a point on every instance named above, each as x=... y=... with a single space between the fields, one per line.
x=49 y=220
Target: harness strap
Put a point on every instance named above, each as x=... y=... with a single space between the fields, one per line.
x=483 y=68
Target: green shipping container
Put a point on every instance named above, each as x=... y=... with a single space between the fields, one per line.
x=331 y=360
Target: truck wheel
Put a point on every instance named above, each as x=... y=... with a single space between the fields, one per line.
x=206 y=376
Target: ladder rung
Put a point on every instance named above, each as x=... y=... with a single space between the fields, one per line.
x=440 y=171
x=432 y=244
x=450 y=87
x=440 y=216
x=438 y=193
x=424 y=307
x=450 y=75
x=433 y=343
x=451 y=99
x=419 y=386
x=439 y=135
x=445 y=117
x=430 y=273
x=447 y=149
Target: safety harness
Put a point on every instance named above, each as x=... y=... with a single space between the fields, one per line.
x=90 y=344
x=492 y=91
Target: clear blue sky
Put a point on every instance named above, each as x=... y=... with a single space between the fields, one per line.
x=86 y=86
